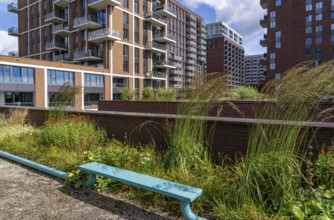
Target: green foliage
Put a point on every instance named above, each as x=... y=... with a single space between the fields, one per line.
x=161 y=94
x=148 y=94
x=324 y=169
x=317 y=204
x=244 y=92
x=127 y=95
x=77 y=133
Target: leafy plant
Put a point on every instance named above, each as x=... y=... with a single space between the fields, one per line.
x=244 y=92
x=127 y=94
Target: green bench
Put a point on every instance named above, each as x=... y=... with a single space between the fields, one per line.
x=186 y=194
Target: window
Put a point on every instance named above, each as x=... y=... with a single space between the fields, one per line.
x=318 y=5
x=308 y=42
x=93 y=80
x=136 y=6
x=278 y=2
x=273 y=14
x=318 y=17
x=278 y=39
x=318 y=40
x=308 y=30
x=308 y=6
x=272 y=24
x=125 y=26
x=59 y=78
x=126 y=58
x=308 y=52
x=272 y=66
x=137 y=30
x=136 y=60
x=278 y=45
x=272 y=56
x=126 y=3
x=308 y=19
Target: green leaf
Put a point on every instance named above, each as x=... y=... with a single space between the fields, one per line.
x=328 y=194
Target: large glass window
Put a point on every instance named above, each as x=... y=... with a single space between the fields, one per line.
x=56 y=77
x=125 y=26
x=93 y=80
x=15 y=74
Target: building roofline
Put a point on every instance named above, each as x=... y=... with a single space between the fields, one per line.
x=186 y=8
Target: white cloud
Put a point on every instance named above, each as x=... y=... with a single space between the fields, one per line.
x=6 y=1
x=7 y=43
x=243 y=15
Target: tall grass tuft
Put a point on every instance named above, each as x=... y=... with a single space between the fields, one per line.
x=189 y=138
x=271 y=172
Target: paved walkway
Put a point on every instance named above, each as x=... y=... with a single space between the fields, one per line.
x=28 y=194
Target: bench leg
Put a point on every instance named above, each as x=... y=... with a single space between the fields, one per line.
x=187 y=213
x=90 y=182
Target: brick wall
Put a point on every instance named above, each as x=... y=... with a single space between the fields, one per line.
x=230 y=136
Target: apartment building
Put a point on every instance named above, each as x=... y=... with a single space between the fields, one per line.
x=254 y=71
x=189 y=51
x=225 y=53
x=297 y=31
x=128 y=37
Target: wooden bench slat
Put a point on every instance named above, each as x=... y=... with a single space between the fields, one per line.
x=165 y=187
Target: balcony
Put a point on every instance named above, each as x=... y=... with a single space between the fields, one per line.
x=155 y=19
x=263 y=42
x=175 y=79
x=61 y=58
x=87 y=55
x=175 y=86
x=201 y=47
x=190 y=74
x=164 y=37
x=202 y=42
x=176 y=73
x=191 y=55
x=164 y=64
x=177 y=58
x=189 y=61
x=191 y=49
x=13 y=54
x=264 y=22
x=191 y=30
x=166 y=11
x=103 y=34
x=56 y=46
x=202 y=53
x=13 y=31
x=190 y=68
x=191 y=37
x=178 y=65
x=154 y=74
x=201 y=35
x=264 y=4
x=155 y=47
x=60 y=29
x=86 y=22
x=203 y=59
x=101 y=4
x=191 y=43
x=62 y=3
x=54 y=17
x=191 y=23
x=191 y=17
x=13 y=7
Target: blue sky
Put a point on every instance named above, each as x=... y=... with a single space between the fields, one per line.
x=242 y=15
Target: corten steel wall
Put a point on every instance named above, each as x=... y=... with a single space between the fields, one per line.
x=230 y=135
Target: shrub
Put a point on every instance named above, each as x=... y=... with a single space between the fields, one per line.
x=244 y=92
x=148 y=93
x=324 y=169
x=76 y=133
x=127 y=95
x=163 y=94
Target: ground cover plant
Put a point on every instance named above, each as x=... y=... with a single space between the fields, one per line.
x=276 y=179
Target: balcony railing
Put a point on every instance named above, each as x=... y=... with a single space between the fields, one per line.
x=191 y=49
x=264 y=22
x=191 y=23
x=164 y=37
x=155 y=19
x=61 y=58
x=86 y=22
x=88 y=55
x=55 y=45
x=13 y=7
x=190 y=68
x=13 y=31
x=103 y=35
x=156 y=47
x=62 y=3
x=60 y=29
x=191 y=43
x=101 y=4
x=264 y=4
x=13 y=53
x=189 y=61
x=155 y=74
x=164 y=64
x=54 y=17
x=165 y=10
x=191 y=30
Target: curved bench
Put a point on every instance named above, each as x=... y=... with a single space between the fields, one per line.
x=185 y=194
